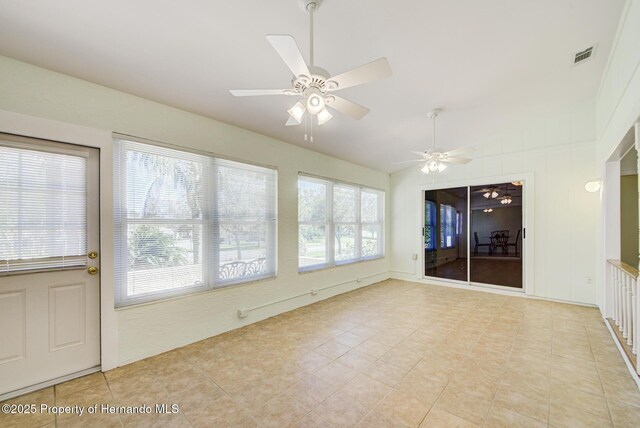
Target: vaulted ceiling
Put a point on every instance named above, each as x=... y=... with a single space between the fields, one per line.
x=485 y=62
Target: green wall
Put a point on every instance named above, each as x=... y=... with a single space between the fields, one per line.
x=629 y=219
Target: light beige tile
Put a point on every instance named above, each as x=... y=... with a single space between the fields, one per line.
x=441 y=419
x=280 y=411
x=312 y=361
x=366 y=390
x=425 y=389
x=463 y=405
x=336 y=374
x=562 y=416
x=332 y=349
x=624 y=415
x=221 y=412
x=461 y=351
x=311 y=391
x=342 y=410
x=44 y=396
x=349 y=339
x=566 y=396
x=405 y=408
x=376 y=420
x=90 y=381
x=357 y=360
x=126 y=370
x=500 y=417
x=528 y=402
x=312 y=420
x=373 y=348
x=197 y=395
x=386 y=373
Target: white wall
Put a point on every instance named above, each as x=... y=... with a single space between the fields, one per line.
x=617 y=109
x=618 y=99
x=136 y=332
x=558 y=149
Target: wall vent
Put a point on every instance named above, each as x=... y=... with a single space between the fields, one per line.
x=583 y=55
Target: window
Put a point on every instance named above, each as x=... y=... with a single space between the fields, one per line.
x=186 y=222
x=43 y=224
x=447 y=226
x=338 y=223
x=430 y=225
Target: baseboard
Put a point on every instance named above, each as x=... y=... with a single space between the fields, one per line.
x=411 y=277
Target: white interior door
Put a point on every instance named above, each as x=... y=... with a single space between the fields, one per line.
x=49 y=262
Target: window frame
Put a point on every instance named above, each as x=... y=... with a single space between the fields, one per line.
x=445 y=225
x=208 y=221
x=330 y=224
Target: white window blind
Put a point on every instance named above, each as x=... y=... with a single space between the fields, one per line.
x=338 y=223
x=43 y=213
x=186 y=222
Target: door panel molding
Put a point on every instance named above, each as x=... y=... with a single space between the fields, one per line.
x=67 y=319
x=13 y=320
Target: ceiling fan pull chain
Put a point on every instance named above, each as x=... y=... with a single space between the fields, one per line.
x=306 y=127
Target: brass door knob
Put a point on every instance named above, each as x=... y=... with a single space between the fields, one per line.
x=92 y=270
x=93 y=255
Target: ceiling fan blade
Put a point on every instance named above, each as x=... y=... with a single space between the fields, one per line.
x=348 y=108
x=256 y=92
x=288 y=50
x=292 y=122
x=423 y=154
x=408 y=161
x=378 y=69
x=460 y=151
x=462 y=161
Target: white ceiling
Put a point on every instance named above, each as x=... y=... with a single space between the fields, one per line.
x=484 y=62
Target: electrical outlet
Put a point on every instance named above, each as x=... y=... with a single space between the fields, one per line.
x=314 y=291
x=243 y=313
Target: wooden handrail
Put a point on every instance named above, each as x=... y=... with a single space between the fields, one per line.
x=629 y=270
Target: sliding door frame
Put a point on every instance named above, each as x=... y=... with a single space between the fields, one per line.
x=526 y=239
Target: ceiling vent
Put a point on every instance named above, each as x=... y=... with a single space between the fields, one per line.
x=583 y=55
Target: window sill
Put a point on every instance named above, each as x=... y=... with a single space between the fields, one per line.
x=196 y=292
x=338 y=265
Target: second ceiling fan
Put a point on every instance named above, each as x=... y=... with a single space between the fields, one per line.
x=312 y=85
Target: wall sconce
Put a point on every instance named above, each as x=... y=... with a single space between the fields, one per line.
x=593 y=185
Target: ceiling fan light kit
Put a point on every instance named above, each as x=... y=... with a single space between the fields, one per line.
x=492 y=193
x=312 y=84
x=436 y=160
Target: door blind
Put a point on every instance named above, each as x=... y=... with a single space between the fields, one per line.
x=43 y=214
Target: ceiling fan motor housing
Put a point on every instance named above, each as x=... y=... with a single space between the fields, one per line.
x=308 y=5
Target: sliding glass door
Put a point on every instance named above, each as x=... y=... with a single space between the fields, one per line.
x=473 y=234
x=445 y=230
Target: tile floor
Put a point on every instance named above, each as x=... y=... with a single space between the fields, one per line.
x=394 y=354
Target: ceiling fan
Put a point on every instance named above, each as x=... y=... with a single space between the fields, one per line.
x=436 y=160
x=489 y=192
x=312 y=85
x=507 y=198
